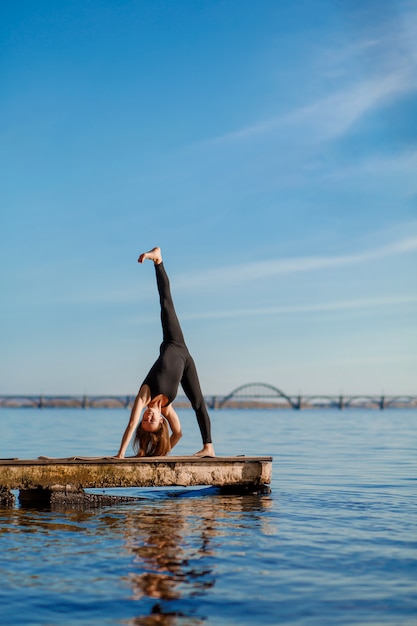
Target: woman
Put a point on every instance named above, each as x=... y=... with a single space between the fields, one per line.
x=174 y=366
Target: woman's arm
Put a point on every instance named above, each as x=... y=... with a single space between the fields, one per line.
x=140 y=402
x=174 y=424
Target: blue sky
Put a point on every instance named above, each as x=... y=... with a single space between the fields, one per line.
x=269 y=148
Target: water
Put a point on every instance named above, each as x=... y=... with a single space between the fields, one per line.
x=334 y=543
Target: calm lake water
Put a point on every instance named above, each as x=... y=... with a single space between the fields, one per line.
x=334 y=543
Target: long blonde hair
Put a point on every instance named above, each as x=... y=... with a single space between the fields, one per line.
x=152 y=444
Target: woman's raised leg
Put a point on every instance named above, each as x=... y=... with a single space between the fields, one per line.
x=171 y=327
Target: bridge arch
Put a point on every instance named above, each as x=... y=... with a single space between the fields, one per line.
x=401 y=401
x=257 y=390
x=363 y=401
x=322 y=401
x=20 y=401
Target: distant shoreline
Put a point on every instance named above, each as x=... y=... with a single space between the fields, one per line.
x=215 y=402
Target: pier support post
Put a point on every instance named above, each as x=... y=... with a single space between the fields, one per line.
x=43 y=496
x=62 y=496
x=6 y=497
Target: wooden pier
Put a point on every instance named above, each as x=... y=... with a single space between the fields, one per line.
x=61 y=480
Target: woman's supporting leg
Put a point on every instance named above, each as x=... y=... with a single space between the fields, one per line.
x=191 y=385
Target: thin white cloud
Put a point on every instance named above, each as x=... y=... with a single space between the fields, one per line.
x=385 y=59
x=257 y=270
x=332 y=115
x=321 y=307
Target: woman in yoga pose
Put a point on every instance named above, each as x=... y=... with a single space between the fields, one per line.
x=157 y=392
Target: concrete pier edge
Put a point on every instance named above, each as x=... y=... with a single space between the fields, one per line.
x=46 y=480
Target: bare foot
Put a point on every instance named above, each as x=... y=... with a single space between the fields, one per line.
x=208 y=450
x=154 y=255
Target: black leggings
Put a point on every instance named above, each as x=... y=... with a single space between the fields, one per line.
x=175 y=364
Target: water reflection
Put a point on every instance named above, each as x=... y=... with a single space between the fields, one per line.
x=172 y=546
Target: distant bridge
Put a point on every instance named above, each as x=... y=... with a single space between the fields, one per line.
x=250 y=395
x=67 y=401
x=254 y=395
